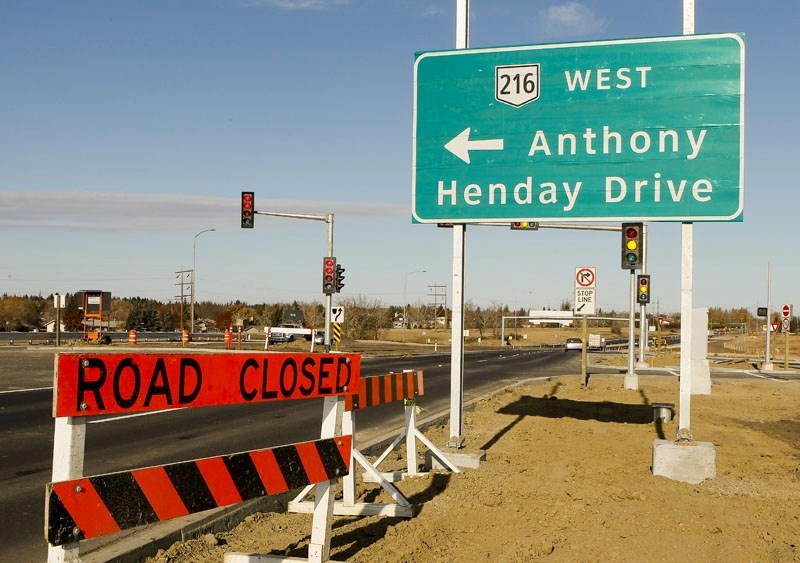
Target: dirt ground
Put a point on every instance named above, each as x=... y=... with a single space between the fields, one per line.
x=567 y=477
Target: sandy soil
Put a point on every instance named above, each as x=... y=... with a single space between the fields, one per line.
x=567 y=477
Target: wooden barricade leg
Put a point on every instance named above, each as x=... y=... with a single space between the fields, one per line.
x=411 y=443
x=319 y=549
x=348 y=506
x=349 y=480
x=410 y=433
x=68 y=451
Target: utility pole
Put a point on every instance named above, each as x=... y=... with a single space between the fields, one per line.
x=437 y=292
x=182 y=275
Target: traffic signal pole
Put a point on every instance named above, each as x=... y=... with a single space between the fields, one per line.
x=644 y=326
x=329 y=252
x=631 y=379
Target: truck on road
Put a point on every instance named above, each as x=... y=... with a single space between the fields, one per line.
x=597 y=342
x=288 y=332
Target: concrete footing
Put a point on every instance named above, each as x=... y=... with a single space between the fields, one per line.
x=464 y=459
x=690 y=462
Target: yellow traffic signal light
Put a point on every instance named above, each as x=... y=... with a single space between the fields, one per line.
x=643 y=289
x=632 y=246
x=525 y=226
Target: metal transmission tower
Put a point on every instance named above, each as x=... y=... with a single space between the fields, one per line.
x=439 y=294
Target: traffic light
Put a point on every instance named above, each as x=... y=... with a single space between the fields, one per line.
x=632 y=246
x=339 y=282
x=328 y=275
x=525 y=226
x=642 y=289
x=248 y=209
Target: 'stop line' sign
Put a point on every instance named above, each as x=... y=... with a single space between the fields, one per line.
x=644 y=129
x=92 y=384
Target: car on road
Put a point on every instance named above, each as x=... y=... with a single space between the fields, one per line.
x=573 y=344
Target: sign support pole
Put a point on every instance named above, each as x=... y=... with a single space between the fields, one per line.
x=785 y=349
x=767 y=357
x=457 y=336
x=459 y=243
x=585 y=337
x=687 y=251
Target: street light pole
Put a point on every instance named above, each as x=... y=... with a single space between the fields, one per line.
x=405 y=285
x=194 y=252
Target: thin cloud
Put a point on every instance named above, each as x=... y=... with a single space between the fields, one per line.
x=301 y=4
x=115 y=212
x=433 y=10
x=571 y=19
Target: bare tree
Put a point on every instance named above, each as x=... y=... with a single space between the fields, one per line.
x=364 y=317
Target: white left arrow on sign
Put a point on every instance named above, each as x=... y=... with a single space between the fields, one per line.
x=460 y=145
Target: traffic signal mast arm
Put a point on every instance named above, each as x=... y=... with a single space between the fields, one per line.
x=327 y=218
x=539 y=225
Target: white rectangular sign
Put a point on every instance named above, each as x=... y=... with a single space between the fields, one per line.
x=337 y=314
x=584 y=301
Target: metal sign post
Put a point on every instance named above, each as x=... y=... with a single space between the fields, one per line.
x=786 y=324
x=584 y=305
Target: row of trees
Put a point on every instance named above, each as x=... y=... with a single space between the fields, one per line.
x=366 y=318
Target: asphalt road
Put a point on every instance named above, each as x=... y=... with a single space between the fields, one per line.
x=120 y=443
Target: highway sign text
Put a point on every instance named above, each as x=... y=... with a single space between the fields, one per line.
x=91 y=384
x=585 y=301
x=645 y=129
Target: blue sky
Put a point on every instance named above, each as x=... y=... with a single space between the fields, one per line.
x=126 y=128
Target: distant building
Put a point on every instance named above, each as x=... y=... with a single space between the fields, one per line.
x=541 y=317
x=51 y=327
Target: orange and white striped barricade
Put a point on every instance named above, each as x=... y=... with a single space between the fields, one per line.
x=410 y=433
x=80 y=507
x=132 y=337
x=373 y=391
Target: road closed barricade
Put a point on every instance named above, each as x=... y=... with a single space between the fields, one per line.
x=79 y=507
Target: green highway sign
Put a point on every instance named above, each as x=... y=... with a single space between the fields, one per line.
x=633 y=129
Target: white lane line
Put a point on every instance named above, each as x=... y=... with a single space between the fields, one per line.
x=124 y=416
x=24 y=390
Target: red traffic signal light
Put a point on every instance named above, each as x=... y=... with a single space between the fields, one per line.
x=643 y=289
x=632 y=246
x=329 y=275
x=248 y=209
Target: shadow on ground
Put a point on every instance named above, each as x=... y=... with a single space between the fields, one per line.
x=550 y=406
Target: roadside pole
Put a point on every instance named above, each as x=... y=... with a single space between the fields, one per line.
x=326 y=341
x=584 y=354
x=644 y=325
x=785 y=349
x=683 y=432
x=767 y=357
x=58 y=301
x=631 y=380
x=457 y=439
